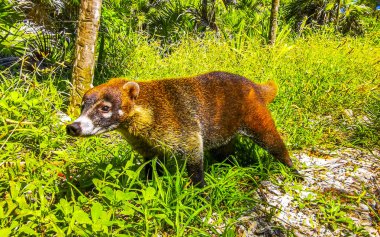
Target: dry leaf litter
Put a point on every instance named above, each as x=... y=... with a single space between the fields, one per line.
x=344 y=173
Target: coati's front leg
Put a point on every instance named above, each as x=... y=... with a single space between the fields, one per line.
x=193 y=152
x=195 y=170
x=148 y=168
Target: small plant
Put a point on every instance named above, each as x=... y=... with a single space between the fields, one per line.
x=366 y=131
x=12 y=34
x=49 y=52
x=346 y=16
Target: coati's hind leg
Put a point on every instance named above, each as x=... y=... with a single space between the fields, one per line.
x=221 y=153
x=261 y=128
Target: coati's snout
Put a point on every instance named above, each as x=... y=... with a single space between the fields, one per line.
x=104 y=109
x=74 y=129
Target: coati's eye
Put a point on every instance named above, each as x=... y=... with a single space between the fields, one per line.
x=105 y=109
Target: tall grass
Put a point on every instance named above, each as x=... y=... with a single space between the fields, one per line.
x=52 y=184
x=319 y=77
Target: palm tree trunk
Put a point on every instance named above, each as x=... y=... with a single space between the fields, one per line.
x=212 y=24
x=84 y=64
x=273 y=21
x=204 y=12
x=208 y=18
x=337 y=14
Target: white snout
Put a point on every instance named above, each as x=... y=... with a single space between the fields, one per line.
x=86 y=125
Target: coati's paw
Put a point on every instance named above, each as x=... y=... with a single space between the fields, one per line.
x=297 y=175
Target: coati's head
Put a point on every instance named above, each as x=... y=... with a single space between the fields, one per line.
x=105 y=107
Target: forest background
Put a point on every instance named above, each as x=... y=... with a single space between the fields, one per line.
x=325 y=60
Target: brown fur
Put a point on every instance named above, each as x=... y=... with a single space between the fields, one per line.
x=186 y=116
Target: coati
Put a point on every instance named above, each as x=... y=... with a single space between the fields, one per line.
x=183 y=116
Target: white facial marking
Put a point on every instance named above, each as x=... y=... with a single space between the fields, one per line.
x=112 y=127
x=109 y=104
x=97 y=130
x=121 y=112
x=107 y=115
x=86 y=125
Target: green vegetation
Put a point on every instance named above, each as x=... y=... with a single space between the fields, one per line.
x=52 y=184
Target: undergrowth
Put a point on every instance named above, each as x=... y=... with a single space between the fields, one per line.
x=52 y=184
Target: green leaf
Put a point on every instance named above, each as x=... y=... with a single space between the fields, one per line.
x=4 y=104
x=166 y=218
x=81 y=217
x=130 y=195
x=65 y=207
x=108 y=168
x=122 y=196
x=130 y=163
x=149 y=194
x=14 y=95
x=109 y=193
x=82 y=199
x=119 y=196
x=98 y=183
x=2 y=210
x=27 y=230
x=15 y=189
x=130 y=173
x=96 y=227
x=59 y=231
x=44 y=144
x=96 y=210
x=24 y=106
x=15 y=110
x=5 y=232
x=128 y=211
x=14 y=224
x=11 y=207
x=34 y=102
x=345 y=220
x=330 y=6
x=106 y=217
x=79 y=231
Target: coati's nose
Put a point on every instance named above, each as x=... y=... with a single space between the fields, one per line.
x=73 y=129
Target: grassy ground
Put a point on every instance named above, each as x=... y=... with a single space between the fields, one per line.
x=59 y=185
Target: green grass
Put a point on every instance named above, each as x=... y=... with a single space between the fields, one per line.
x=319 y=76
x=96 y=186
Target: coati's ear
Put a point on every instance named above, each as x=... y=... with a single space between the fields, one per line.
x=133 y=89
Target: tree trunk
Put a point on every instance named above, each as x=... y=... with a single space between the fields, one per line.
x=337 y=14
x=273 y=21
x=208 y=18
x=212 y=22
x=204 y=12
x=84 y=64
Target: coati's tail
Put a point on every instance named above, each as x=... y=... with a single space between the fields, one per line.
x=268 y=91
